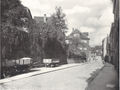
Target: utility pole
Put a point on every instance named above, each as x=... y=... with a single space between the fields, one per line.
x=0 y=54
x=0 y=57
x=0 y=47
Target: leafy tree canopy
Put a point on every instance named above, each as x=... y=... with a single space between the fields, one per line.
x=14 y=17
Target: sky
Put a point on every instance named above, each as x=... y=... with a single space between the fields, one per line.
x=93 y=16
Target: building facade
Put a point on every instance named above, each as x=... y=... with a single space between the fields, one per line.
x=105 y=49
x=114 y=36
x=79 y=42
x=42 y=19
x=96 y=51
x=111 y=45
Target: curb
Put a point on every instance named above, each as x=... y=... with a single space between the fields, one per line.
x=96 y=74
x=109 y=84
x=55 y=70
x=26 y=75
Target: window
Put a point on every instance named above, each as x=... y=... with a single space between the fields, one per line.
x=84 y=41
x=80 y=48
x=76 y=35
x=85 y=48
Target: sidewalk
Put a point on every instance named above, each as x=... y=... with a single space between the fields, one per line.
x=105 y=80
x=37 y=71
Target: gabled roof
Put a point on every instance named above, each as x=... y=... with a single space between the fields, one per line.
x=39 y=19
x=83 y=35
x=76 y=31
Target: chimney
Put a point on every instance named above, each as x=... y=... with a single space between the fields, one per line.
x=45 y=18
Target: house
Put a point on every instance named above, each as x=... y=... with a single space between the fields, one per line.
x=96 y=52
x=42 y=19
x=104 y=47
x=79 y=42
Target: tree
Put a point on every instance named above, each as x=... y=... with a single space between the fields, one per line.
x=55 y=32
x=58 y=20
x=60 y=25
x=35 y=36
x=14 y=17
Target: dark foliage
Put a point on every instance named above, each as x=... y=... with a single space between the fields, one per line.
x=15 y=41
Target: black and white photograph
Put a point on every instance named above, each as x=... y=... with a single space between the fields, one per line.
x=59 y=45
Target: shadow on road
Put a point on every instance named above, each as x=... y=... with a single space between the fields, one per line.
x=103 y=79
x=93 y=76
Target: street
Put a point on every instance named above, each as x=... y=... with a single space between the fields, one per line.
x=59 y=45
x=73 y=78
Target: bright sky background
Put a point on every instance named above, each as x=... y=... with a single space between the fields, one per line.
x=93 y=16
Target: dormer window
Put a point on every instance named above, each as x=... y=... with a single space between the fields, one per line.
x=84 y=41
x=76 y=35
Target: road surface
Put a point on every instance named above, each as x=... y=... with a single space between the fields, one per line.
x=74 y=78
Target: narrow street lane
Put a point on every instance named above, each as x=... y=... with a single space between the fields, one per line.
x=74 y=78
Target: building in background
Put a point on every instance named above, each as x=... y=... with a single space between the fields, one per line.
x=42 y=19
x=104 y=47
x=96 y=52
x=79 y=43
